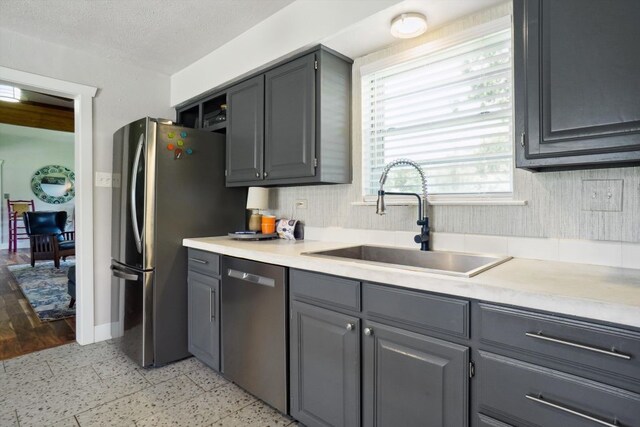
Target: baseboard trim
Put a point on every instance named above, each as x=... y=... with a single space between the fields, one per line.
x=102 y=332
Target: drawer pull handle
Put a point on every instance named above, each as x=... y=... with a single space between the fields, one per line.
x=540 y=400
x=578 y=345
x=199 y=261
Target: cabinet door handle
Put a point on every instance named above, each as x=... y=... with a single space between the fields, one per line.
x=257 y=174
x=199 y=261
x=211 y=308
x=265 y=174
x=540 y=400
x=350 y=326
x=612 y=353
x=368 y=331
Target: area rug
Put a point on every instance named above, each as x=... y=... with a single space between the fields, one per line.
x=45 y=287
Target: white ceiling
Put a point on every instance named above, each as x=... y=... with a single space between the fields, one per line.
x=162 y=35
x=372 y=33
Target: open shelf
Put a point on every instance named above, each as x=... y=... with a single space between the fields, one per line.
x=190 y=117
x=208 y=114
x=214 y=111
x=220 y=127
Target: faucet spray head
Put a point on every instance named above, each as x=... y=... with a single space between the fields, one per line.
x=380 y=208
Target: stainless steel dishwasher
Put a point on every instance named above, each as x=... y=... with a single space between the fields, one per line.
x=255 y=328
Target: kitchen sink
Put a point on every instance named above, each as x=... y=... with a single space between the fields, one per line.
x=449 y=263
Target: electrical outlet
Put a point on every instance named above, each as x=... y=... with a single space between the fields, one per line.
x=602 y=195
x=103 y=179
x=301 y=204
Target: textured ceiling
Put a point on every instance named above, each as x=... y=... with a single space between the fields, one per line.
x=162 y=35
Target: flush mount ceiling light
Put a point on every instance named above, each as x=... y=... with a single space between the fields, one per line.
x=9 y=93
x=408 y=25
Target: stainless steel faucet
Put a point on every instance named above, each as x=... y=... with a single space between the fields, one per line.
x=423 y=218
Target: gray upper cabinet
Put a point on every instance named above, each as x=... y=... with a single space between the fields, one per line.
x=576 y=83
x=245 y=136
x=304 y=133
x=325 y=367
x=290 y=102
x=413 y=380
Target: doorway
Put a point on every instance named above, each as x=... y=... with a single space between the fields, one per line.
x=37 y=249
x=82 y=96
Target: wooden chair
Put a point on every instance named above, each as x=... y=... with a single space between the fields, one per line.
x=15 y=209
x=48 y=239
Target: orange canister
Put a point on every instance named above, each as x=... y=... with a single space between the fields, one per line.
x=268 y=224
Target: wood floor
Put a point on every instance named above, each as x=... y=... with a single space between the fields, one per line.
x=21 y=331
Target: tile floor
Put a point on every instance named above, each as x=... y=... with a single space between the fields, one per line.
x=97 y=385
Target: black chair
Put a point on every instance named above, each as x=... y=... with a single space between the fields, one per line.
x=71 y=285
x=48 y=239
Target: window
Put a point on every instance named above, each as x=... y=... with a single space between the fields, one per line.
x=449 y=108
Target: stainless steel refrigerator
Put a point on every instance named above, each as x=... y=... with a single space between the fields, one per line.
x=171 y=186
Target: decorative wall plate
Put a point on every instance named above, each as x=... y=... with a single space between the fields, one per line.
x=54 y=184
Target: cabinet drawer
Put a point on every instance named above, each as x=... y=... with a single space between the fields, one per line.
x=335 y=291
x=417 y=310
x=204 y=262
x=526 y=394
x=600 y=349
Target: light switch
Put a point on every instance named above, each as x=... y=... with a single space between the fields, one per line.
x=602 y=195
x=103 y=179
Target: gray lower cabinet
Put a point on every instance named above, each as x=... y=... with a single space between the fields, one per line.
x=413 y=380
x=407 y=378
x=325 y=366
x=204 y=320
x=576 y=83
x=522 y=393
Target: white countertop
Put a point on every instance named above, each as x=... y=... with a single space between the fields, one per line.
x=601 y=293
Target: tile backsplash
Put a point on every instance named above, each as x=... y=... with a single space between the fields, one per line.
x=554 y=207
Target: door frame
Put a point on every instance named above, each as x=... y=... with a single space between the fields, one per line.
x=83 y=163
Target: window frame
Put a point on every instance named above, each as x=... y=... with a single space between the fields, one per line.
x=498 y=198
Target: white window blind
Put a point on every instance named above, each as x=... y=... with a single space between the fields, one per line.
x=449 y=109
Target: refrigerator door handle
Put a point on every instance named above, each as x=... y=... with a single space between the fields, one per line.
x=133 y=195
x=122 y=275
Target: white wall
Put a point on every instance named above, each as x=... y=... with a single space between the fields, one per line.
x=126 y=92
x=25 y=150
x=301 y=24
x=554 y=204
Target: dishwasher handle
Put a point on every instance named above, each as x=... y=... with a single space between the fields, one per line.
x=251 y=278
